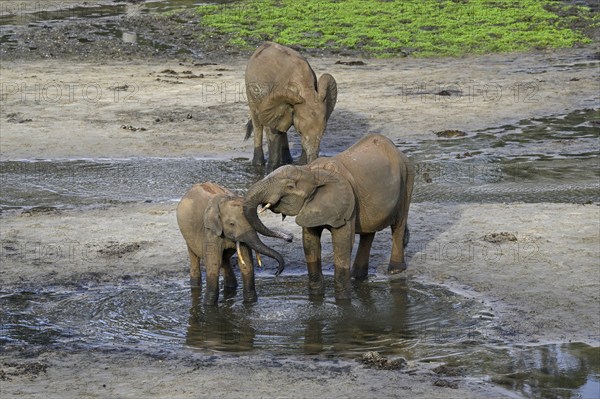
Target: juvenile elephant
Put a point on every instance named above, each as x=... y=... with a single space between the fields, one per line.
x=213 y=225
x=359 y=191
x=282 y=91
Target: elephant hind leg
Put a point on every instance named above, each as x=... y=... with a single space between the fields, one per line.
x=360 y=268
x=286 y=156
x=195 y=272
x=259 y=155
x=229 y=279
x=399 y=241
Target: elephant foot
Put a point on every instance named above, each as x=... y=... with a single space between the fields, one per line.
x=342 y=295
x=286 y=158
x=396 y=267
x=196 y=282
x=211 y=299
x=360 y=273
x=316 y=284
x=250 y=296
x=230 y=285
x=258 y=160
x=229 y=292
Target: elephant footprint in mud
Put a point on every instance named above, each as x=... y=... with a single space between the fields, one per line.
x=282 y=91
x=359 y=191
x=213 y=225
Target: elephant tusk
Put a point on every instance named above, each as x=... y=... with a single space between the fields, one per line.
x=264 y=208
x=239 y=253
x=258 y=259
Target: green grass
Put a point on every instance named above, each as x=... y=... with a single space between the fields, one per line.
x=390 y=28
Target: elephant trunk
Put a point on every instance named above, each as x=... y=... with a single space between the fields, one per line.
x=255 y=197
x=251 y=239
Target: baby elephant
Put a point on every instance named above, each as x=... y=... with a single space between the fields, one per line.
x=213 y=224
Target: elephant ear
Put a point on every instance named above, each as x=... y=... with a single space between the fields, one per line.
x=212 y=217
x=332 y=203
x=327 y=88
x=277 y=109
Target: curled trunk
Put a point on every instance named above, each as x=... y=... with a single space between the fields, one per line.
x=252 y=240
x=255 y=197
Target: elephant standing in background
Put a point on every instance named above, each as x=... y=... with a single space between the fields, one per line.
x=359 y=191
x=282 y=91
x=213 y=225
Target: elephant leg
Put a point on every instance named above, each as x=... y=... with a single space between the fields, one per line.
x=229 y=280
x=343 y=240
x=360 y=268
x=195 y=272
x=303 y=157
x=397 y=263
x=259 y=155
x=247 y=272
x=311 y=240
x=213 y=264
x=275 y=149
x=286 y=156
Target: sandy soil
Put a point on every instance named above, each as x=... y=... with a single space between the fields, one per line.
x=544 y=284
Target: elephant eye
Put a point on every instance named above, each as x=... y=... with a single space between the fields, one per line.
x=291 y=186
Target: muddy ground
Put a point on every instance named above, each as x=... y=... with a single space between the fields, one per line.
x=542 y=278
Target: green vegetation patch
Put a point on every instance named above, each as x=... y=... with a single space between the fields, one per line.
x=401 y=27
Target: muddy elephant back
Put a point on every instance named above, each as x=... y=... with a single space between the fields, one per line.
x=275 y=66
x=376 y=168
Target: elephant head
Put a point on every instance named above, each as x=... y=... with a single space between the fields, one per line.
x=224 y=217
x=308 y=109
x=316 y=196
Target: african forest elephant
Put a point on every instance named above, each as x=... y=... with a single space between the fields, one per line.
x=213 y=225
x=359 y=191
x=282 y=91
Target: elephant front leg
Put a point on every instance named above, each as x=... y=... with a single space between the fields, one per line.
x=343 y=239
x=213 y=264
x=275 y=139
x=360 y=268
x=311 y=240
x=246 y=264
x=195 y=273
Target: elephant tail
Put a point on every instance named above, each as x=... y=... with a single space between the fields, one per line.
x=249 y=129
x=406 y=237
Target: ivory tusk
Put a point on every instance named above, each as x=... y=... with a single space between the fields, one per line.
x=239 y=253
x=264 y=208
x=258 y=259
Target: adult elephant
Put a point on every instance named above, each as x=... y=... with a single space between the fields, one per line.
x=213 y=225
x=359 y=191
x=282 y=91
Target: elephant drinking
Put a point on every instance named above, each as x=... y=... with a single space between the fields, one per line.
x=282 y=91
x=362 y=190
x=213 y=225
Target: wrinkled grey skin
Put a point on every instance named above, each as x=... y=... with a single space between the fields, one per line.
x=211 y=221
x=282 y=91
x=359 y=191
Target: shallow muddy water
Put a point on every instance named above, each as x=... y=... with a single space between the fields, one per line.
x=397 y=318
